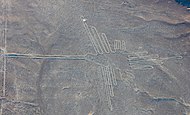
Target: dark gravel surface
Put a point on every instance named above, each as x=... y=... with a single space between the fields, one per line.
x=94 y=57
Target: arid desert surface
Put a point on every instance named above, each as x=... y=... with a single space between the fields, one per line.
x=94 y=57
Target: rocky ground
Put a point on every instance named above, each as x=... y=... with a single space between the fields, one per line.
x=94 y=57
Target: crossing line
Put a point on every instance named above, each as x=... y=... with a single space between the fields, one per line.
x=153 y=58
x=166 y=70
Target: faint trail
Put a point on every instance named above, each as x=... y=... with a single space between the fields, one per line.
x=39 y=90
x=5 y=17
x=5 y=46
x=40 y=56
x=39 y=82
